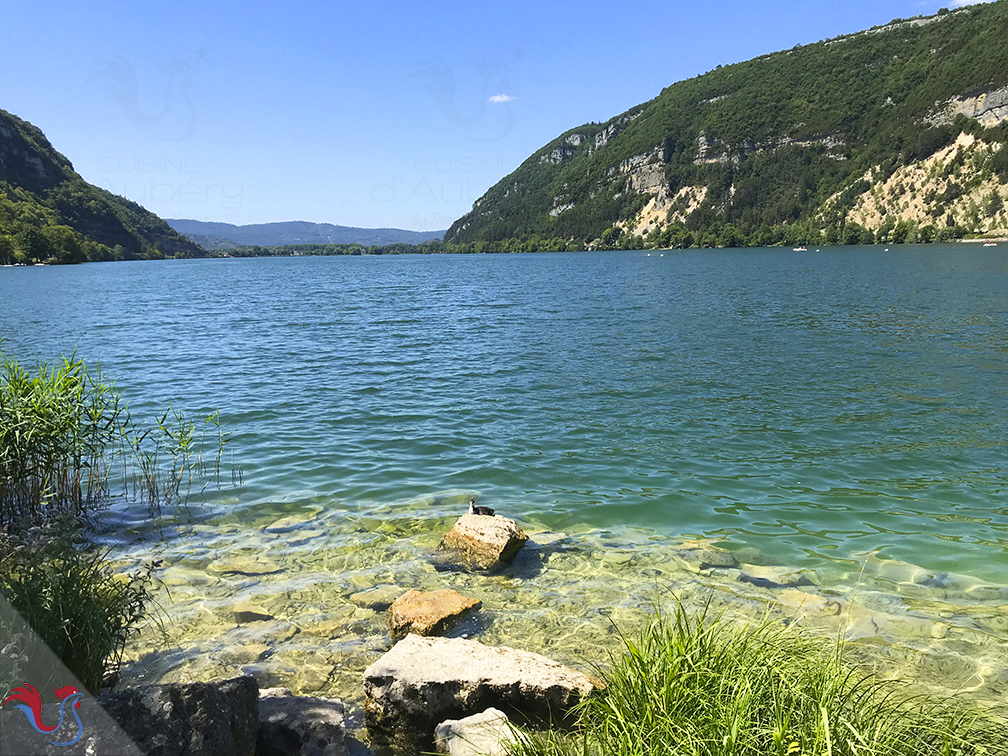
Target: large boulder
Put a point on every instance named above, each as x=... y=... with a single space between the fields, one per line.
x=485 y=734
x=484 y=541
x=292 y=725
x=428 y=613
x=188 y=719
x=421 y=682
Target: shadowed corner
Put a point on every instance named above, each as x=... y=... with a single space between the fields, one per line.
x=73 y=725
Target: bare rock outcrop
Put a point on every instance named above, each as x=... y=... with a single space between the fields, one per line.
x=484 y=541
x=422 y=682
x=429 y=613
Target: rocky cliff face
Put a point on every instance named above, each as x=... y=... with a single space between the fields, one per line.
x=903 y=123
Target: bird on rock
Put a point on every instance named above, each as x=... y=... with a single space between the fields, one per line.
x=477 y=510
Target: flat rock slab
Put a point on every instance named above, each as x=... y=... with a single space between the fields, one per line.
x=248 y=566
x=486 y=734
x=292 y=725
x=428 y=613
x=422 y=682
x=484 y=541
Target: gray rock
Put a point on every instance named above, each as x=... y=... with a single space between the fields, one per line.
x=486 y=734
x=422 y=681
x=188 y=719
x=484 y=541
x=292 y=725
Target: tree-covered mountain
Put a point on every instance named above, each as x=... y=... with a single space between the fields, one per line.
x=217 y=236
x=892 y=134
x=48 y=213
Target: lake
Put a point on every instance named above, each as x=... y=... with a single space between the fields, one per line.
x=836 y=419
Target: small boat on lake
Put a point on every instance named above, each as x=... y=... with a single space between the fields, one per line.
x=990 y=244
x=802 y=248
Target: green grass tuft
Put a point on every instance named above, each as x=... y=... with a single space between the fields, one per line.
x=697 y=685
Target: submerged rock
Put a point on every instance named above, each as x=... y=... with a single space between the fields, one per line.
x=421 y=682
x=248 y=566
x=763 y=576
x=292 y=725
x=428 y=613
x=246 y=611
x=485 y=734
x=484 y=541
x=377 y=598
x=701 y=555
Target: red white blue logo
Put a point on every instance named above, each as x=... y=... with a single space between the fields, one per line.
x=30 y=704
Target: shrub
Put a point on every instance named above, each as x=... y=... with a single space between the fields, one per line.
x=65 y=590
x=62 y=431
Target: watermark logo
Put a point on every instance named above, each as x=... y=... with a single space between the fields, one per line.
x=163 y=104
x=30 y=704
x=485 y=99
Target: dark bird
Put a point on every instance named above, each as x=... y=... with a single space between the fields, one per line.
x=473 y=509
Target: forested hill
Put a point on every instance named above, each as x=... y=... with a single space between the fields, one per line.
x=48 y=213
x=894 y=133
x=224 y=236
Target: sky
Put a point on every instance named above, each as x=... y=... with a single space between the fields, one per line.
x=371 y=114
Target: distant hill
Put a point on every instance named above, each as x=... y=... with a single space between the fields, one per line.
x=222 y=236
x=48 y=213
x=896 y=134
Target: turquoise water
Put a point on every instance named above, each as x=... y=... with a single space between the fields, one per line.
x=812 y=406
x=837 y=419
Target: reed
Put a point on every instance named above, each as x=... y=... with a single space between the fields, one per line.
x=67 y=437
x=697 y=685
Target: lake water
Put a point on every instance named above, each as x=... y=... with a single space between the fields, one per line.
x=837 y=419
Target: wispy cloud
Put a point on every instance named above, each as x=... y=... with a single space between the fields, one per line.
x=502 y=98
x=964 y=3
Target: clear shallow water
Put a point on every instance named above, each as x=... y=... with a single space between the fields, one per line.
x=842 y=412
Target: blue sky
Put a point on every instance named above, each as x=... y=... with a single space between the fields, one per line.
x=360 y=114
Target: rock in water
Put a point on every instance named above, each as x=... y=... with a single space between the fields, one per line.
x=428 y=613
x=421 y=682
x=485 y=734
x=484 y=542
x=195 y=719
x=292 y=725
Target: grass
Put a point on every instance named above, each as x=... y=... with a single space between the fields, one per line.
x=65 y=433
x=66 y=437
x=68 y=595
x=697 y=685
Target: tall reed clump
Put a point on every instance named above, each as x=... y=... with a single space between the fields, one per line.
x=699 y=686
x=57 y=428
x=66 y=434
x=66 y=438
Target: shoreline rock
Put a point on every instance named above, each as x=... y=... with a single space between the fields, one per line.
x=484 y=541
x=422 y=682
x=484 y=734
